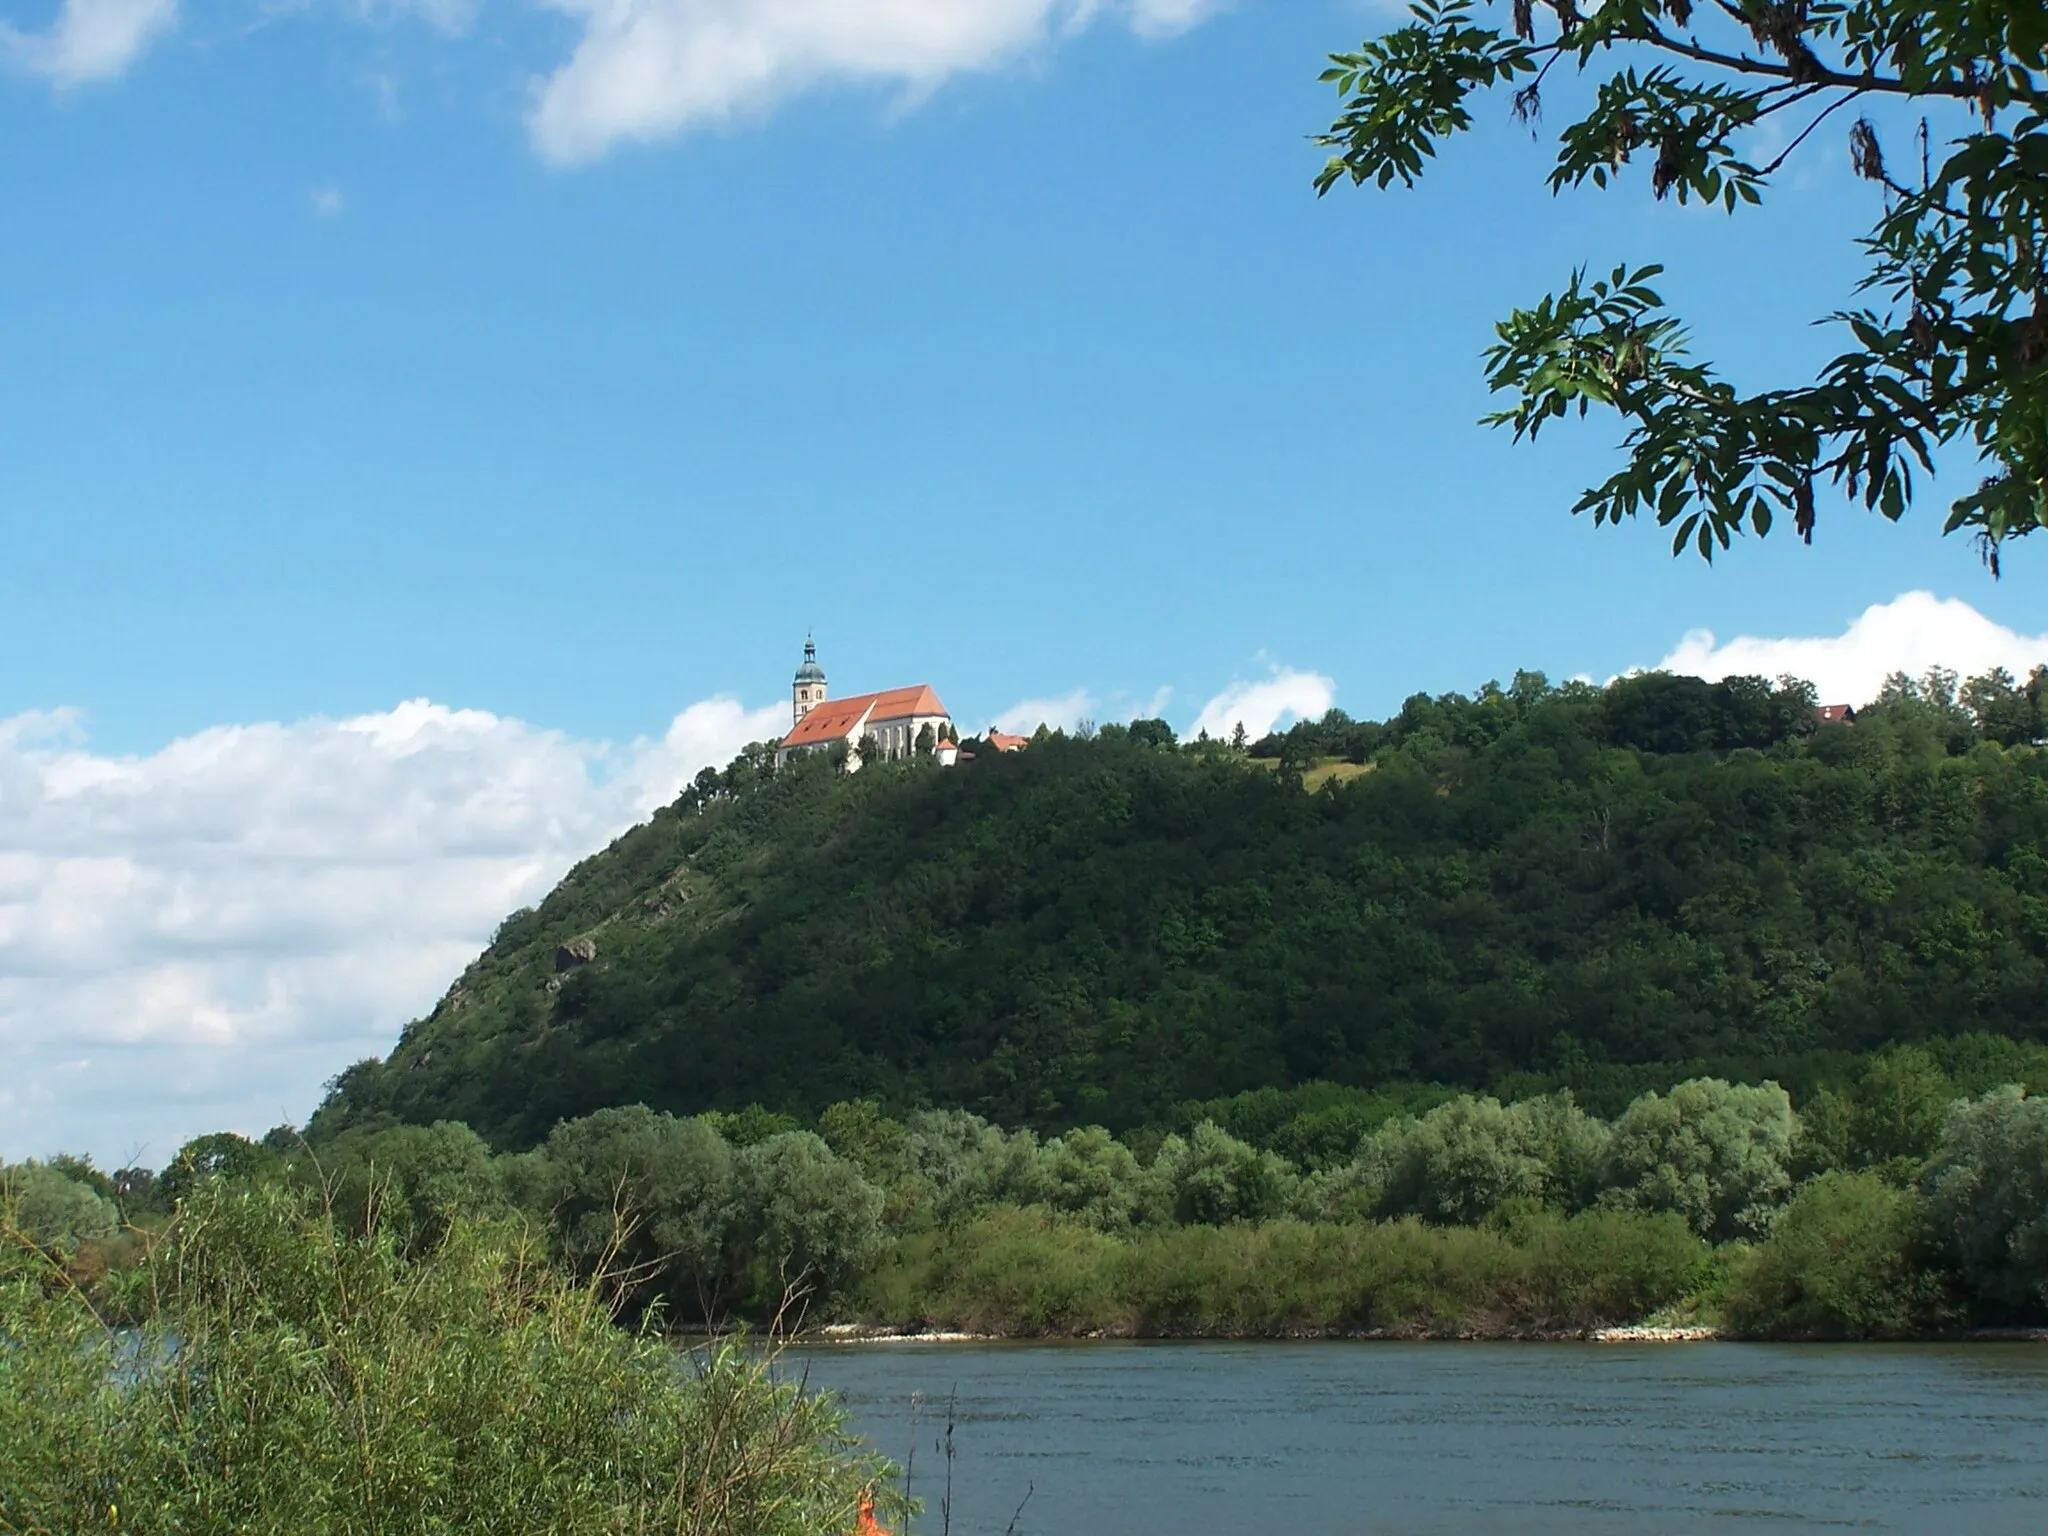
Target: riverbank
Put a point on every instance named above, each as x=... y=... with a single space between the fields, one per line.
x=1025 y=1274
x=1627 y=1333
x=1638 y=1333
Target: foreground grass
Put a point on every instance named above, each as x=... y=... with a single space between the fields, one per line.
x=291 y=1380
x=1025 y=1272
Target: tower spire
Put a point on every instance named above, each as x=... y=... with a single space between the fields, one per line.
x=808 y=690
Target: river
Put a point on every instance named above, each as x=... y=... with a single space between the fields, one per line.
x=1332 y=1439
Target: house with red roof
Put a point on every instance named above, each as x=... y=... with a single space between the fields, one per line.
x=1003 y=741
x=894 y=718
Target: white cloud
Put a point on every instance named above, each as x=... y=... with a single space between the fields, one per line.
x=327 y=202
x=1165 y=18
x=90 y=39
x=1154 y=707
x=1910 y=634
x=198 y=938
x=1061 y=714
x=647 y=69
x=1260 y=706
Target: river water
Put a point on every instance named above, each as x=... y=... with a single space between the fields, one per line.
x=1331 y=1439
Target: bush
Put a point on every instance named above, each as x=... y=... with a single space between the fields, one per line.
x=643 y=1190
x=961 y=1164
x=1717 y=1154
x=412 y=1181
x=1090 y=1174
x=1211 y=1177
x=1889 y=1120
x=1987 y=1196
x=808 y=1218
x=1573 y=1146
x=219 y=1155
x=1021 y=1272
x=53 y=1210
x=1460 y=1161
x=297 y=1379
x=1031 y=1272
x=1845 y=1260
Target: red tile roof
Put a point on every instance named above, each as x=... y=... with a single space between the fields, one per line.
x=1005 y=743
x=837 y=719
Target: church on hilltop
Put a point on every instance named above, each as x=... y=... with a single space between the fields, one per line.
x=896 y=720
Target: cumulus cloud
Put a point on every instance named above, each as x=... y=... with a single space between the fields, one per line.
x=647 y=69
x=89 y=40
x=1060 y=714
x=1165 y=18
x=1261 y=705
x=198 y=938
x=1910 y=634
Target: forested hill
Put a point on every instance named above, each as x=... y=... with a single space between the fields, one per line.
x=1531 y=881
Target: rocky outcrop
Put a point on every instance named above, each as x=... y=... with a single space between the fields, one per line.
x=574 y=953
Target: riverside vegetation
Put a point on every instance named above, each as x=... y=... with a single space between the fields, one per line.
x=1914 y=1199
x=1567 y=1007
x=281 y=1374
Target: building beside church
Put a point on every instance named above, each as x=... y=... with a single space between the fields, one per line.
x=893 y=718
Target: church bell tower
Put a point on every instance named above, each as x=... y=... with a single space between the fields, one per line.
x=809 y=690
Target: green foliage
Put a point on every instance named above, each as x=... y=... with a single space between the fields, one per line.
x=646 y=1194
x=880 y=1148
x=1021 y=1272
x=413 y=1182
x=1889 y=1120
x=961 y=1164
x=1845 y=1259
x=1716 y=1153
x=1211 y=1177
x=1460 y=1162
x=51 y=1207
x=1089 y=1174
x=294 y=1378
x=1956 y=347
x=1548 y=1217
x=1315 y=1125
x=752 y=1124
x=220 y=1155
x=1987 y=1196
x=1609 y=890
x=810 y=1220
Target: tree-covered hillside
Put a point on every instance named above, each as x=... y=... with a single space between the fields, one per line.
x=1533 y=885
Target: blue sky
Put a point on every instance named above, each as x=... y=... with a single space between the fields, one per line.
x=564 y=363
x=1042 y=375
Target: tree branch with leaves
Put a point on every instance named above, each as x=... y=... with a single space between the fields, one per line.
x=1950 y=345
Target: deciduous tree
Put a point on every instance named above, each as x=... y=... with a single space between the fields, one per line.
x=1951 y=342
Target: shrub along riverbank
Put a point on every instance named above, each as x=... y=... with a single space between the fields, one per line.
x=289 y=1378
x=1538 y=1273
x=1909 y=1199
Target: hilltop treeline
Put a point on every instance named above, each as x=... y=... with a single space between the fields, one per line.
x=1603 y=888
